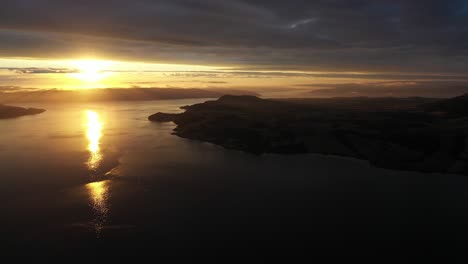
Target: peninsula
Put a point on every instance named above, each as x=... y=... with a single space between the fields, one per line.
x=14 y=111
x=416 y=133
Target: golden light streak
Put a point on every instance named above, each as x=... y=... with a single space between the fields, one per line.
x=99 y=195
x=98 y=191
x=93 y=134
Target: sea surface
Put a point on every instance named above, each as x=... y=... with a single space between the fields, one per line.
x=101 y=179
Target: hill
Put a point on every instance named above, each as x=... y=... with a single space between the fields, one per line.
x=405 y=137
x=457 y=106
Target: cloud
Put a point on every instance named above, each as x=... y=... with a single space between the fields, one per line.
x=362 y=35
x=15 y=89
x=216 y=82
x=255 y=74
x=35 y=70
x=302 y=22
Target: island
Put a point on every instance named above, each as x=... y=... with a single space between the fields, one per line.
x=422 y=134
x=14 y=111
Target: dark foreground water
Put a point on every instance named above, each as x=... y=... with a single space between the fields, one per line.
x=101 y=179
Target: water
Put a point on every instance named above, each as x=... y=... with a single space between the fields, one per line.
x=100 y=177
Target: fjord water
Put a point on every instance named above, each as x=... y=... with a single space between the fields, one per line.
x=101 y=177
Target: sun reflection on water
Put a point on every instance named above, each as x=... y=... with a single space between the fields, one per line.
x=99 y=195
x=98 y=191
x=94 y=134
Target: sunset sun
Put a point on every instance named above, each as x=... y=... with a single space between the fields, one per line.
x=91 y=70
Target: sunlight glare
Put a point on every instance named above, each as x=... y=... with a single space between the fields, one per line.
x=94 y=134
x=99 y=195
x=91 y=71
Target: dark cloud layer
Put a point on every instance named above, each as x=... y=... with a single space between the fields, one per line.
x=35 y=70
x=360 y=35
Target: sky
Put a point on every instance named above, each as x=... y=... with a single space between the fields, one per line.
x=247 y=44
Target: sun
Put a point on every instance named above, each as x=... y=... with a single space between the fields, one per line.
x=91 y=71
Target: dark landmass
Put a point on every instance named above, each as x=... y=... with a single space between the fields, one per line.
x=13 y=111
x=113 y=94
x=432 y=89
x=455 y=107
x=421 y=134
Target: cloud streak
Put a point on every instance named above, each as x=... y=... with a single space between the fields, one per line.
x=35 y=70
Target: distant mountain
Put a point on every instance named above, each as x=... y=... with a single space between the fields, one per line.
x=457 y=106
x=112 y=94
x=13 y=111
x=436 y=89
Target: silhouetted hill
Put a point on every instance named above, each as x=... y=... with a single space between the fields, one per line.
x=240 y=103
x=393 y=133
x=112 y=94
x=457 y=106
x=13 y=111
